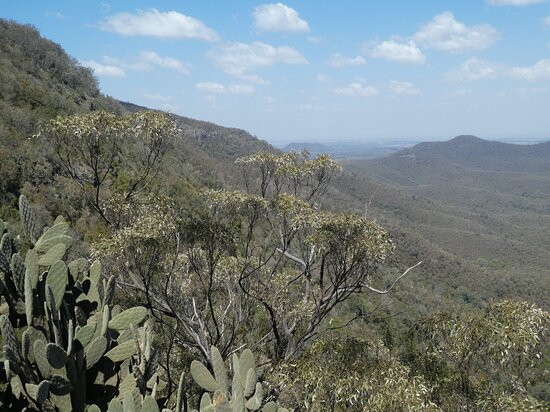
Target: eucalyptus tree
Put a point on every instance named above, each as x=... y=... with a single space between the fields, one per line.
x=103 y=152
x=260 y=267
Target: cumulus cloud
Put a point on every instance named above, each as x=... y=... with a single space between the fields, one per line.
x=148 y=60
x=152 y=58
x=104 y=70
x=403 y=88
x=356 y=89
x=513 y=2
x=475 y=69
x=538 y=71
x=445 y=33
x=217 y=88
x=240 y=59
x=401 y=52
x=277 y=17
x=170 y=24
x=339 y=61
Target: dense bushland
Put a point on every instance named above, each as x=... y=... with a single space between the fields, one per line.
x=216 y=250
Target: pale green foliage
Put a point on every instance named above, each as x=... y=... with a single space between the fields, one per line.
x=266 y=253
x=486 y=359
x=513 y=403
x=352 y=234
x=351 y=374
x=293 y=172
x=101 y=151
x=144 y=220
x=235 y=202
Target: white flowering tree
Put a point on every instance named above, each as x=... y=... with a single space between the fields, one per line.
x=99 y=150
x=264 y=266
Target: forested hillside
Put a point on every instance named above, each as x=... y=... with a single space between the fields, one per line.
x=150 y=260
x=486 y=203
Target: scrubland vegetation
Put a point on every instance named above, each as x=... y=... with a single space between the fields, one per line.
x=150 y=261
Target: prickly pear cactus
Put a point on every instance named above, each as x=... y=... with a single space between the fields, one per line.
x=65 y=346
x=245 y=393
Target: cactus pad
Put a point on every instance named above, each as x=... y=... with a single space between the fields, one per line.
x=122 y=352
x=203 y=377
x=133 y=316
x=28 y=218
x=39 y=392
x=42 y=246
x=31 y=267
x=56 y=355
x=85 y=334
x=58 y=229
x=57 y=279
x=41 y=359
x=54 y=254
x=95 y=350
x=59 y=385
x=115 y=406
x=149 y=405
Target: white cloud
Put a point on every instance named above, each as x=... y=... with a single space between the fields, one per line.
x=513 y=2
x=339 y=61
x=403 y=88
x=148 y=60
x=475 y=69
x=217 y=88
x=104 y=70
x=170 y=24
x=538 y=71
x=461 y=92
x=152 y=58
x=546 y=21
x=240 y=59
x=310 y=107
x=211 y=87
x=401 y=52
x=321 y=78
x=356 y=89
x=279 y=18
x=55 y=15
x=157 y=97
x=314 y=39
x=447 y=34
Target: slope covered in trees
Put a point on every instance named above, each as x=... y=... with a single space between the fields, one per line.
x=486 y=203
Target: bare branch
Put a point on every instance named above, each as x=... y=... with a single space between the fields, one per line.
x=388 y=290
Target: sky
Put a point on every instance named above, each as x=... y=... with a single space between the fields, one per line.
x=318 y=71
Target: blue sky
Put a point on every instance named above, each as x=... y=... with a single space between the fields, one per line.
x=319 y=70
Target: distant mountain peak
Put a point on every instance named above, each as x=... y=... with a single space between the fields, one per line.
x=467 y=139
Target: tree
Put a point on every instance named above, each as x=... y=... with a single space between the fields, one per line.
x=103 y=152
x=351 y=374
x=262 y=267
x=484 y=359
